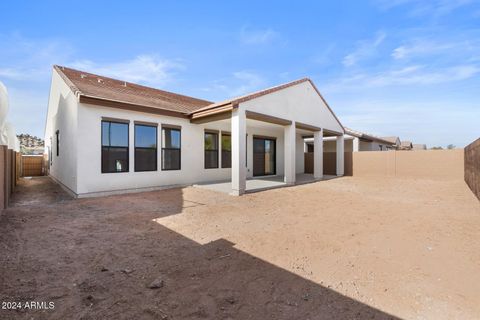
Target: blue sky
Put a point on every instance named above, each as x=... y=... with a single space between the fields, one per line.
x=388 y=67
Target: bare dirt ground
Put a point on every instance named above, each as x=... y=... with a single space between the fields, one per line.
x=348 y=248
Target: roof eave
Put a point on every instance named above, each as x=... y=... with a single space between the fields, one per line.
x=111 y=103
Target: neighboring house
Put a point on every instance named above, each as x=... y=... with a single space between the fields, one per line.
x=108 y=136
x=406 y=145
x=355 y=141
x=394 y=140
x=367 y=142
x=417 y=146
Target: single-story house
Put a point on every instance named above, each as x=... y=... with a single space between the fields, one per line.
x=395 y=140
x=406 y=145
x=106 y=136
x=419 y=146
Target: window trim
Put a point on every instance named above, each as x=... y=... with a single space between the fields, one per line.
x=175 y=128
x=227 y=134
x=213 y=132
x=111 y=120
x=151 y=125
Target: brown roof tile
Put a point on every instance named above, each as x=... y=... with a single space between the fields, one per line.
x=390 y=139
x=367 y=136
x=96 y=89
x=96 y=86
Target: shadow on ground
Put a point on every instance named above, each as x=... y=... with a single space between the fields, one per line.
x=95 y=258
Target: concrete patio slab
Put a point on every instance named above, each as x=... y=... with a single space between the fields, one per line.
x=257 y=184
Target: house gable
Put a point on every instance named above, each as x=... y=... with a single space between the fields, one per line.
x=300 y=102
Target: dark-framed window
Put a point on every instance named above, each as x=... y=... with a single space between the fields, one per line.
x=57 y=141
x=226 y=150
x=114 y=146
x=145 y=147
x=211 y=149
x=171 y=148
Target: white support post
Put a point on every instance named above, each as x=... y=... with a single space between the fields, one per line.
x=340 y=156
x=318 y=154
x=356 y=144
x=239 y=175
x=289 y=148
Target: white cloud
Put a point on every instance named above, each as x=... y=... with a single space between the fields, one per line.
x=145 y=69
x=421 y=8
x=32 y=60
x=22 y=59
x=406 y=76
x=258 y=37
x=416 y=76
x=26 y=68
x=431 y=122
x=364 y=49
x=12 y=73
x=428 y=48
x=239 y=83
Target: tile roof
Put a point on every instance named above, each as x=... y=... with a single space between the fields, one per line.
x=390 y=139
x=93 y=88
x=367 y=136
x=96 y=86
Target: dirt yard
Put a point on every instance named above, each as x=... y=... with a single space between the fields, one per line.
x=348 y=248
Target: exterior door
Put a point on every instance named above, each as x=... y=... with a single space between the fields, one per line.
x=264 y=156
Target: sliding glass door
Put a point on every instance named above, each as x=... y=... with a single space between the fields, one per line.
x=264 y=157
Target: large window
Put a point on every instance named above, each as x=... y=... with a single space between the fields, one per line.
x=145 y=147
x=114 y=146
x=226 y=150
x=171 y=145
x=211 y=150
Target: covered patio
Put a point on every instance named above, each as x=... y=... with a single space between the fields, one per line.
x=256 y=184
x=267 y=133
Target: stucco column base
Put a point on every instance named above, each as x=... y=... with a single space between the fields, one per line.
x=318 y=155
x=237 y=193
x=340 y=156
x=239 y=171
x=289 y=154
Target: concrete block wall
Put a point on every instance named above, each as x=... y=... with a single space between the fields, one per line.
x=472 y=167
x=8 y=175
x=424 y=164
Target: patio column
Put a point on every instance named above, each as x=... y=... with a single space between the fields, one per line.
x=289 y=151
x=340 y=156
x=318 y=154
x=238 y=151
x=356 y=144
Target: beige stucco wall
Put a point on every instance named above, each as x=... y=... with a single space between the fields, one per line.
x=427 y=164
x=331 y=145
x=472 y=167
